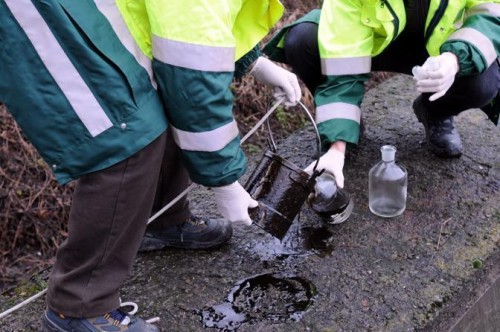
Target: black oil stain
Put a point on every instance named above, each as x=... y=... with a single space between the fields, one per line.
x=275 y=298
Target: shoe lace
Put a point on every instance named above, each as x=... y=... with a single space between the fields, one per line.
x=189 y=222
x=195 y=221
x=119 y=316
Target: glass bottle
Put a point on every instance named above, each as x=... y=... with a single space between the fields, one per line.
x=328 y=201
x=388 y=184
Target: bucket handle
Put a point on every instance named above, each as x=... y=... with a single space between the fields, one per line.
x=266 y=118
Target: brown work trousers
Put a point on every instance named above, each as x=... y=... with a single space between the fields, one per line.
x=108 y=217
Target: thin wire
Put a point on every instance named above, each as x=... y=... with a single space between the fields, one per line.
x=22 y=304
x=172 y=202
x=157 y=214
x=318 y=137
x=261 y=121
x=188 y=189
x=193 y=185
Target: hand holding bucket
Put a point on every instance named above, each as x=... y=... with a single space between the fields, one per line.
x=233 y=203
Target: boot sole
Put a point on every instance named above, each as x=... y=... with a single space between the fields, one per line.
x=48 y=326
x=153 y=244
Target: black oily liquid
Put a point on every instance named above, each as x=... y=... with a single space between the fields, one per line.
x=330 y=206
x=327 y=199
x=275 y=298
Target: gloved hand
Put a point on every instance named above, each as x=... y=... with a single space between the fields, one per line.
x=437 y=74
x=284 y=82
x=332 y=162
x=233 y=202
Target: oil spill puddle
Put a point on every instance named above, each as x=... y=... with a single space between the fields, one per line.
x=300 y=241
x=275 y=298
x=319 y=240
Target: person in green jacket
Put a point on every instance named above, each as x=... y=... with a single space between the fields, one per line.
x=452 y=47
x=132 y=99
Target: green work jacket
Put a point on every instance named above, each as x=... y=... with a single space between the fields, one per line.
x=195 y=45
x=91 y=82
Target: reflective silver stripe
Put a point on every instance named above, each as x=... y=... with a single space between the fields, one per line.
x=338 y=111
x=490 y=9
x=207 y=141
x=193 y=56
x=476 y=38
x=60 y=67
x=346 y=66
x=109 y=9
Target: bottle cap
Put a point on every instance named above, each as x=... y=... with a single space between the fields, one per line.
x=388 y=152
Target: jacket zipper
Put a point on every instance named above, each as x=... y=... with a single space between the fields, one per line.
x=396 y=19
x=435 y=20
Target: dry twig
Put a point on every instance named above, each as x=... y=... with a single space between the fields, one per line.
x=441 y=231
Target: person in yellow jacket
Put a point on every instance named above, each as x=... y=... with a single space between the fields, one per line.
x=453 y=45
x=133 y=100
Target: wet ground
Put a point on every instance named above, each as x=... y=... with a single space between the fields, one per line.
x=420 y=271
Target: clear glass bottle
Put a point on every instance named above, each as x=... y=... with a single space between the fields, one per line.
x=388 y=184
x=328 y=201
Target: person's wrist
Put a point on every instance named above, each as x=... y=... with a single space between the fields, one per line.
x=225 y=187
x=453 y=58
x=253 y=64
x=339 y=146
x=257 y=66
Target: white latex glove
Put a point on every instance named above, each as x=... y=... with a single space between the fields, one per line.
x=284 y=82
x=233 y=202
x=333 y=163
x=437 y=74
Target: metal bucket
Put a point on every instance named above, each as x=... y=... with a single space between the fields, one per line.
x=281 y=188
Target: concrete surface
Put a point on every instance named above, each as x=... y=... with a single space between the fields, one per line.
x=421 y=271
x=483 y=315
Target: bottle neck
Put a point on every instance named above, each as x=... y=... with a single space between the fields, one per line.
x=388 y=153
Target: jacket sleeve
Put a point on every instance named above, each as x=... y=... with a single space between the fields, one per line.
x=346 y=64
x=477 y=42
x=193 y=61
x=242 y=66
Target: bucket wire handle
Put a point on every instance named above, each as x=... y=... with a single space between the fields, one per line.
x=192 y=185
x=318 y=137
x=184 y=192
x=248 y=134
x=311 y=118
x=261 y=121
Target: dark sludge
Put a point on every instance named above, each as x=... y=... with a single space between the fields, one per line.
x=275 y=298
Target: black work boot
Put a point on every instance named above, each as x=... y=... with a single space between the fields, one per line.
x=492 y=110
x=115 y=320
x=194 y=233
x=442 y=137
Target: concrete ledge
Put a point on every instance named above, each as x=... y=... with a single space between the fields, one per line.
x=483 y=315
x=420 y=271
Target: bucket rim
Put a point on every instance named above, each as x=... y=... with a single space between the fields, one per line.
x=275 y=156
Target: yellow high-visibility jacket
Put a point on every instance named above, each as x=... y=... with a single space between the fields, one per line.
x=93 y=81
x=351 y=32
